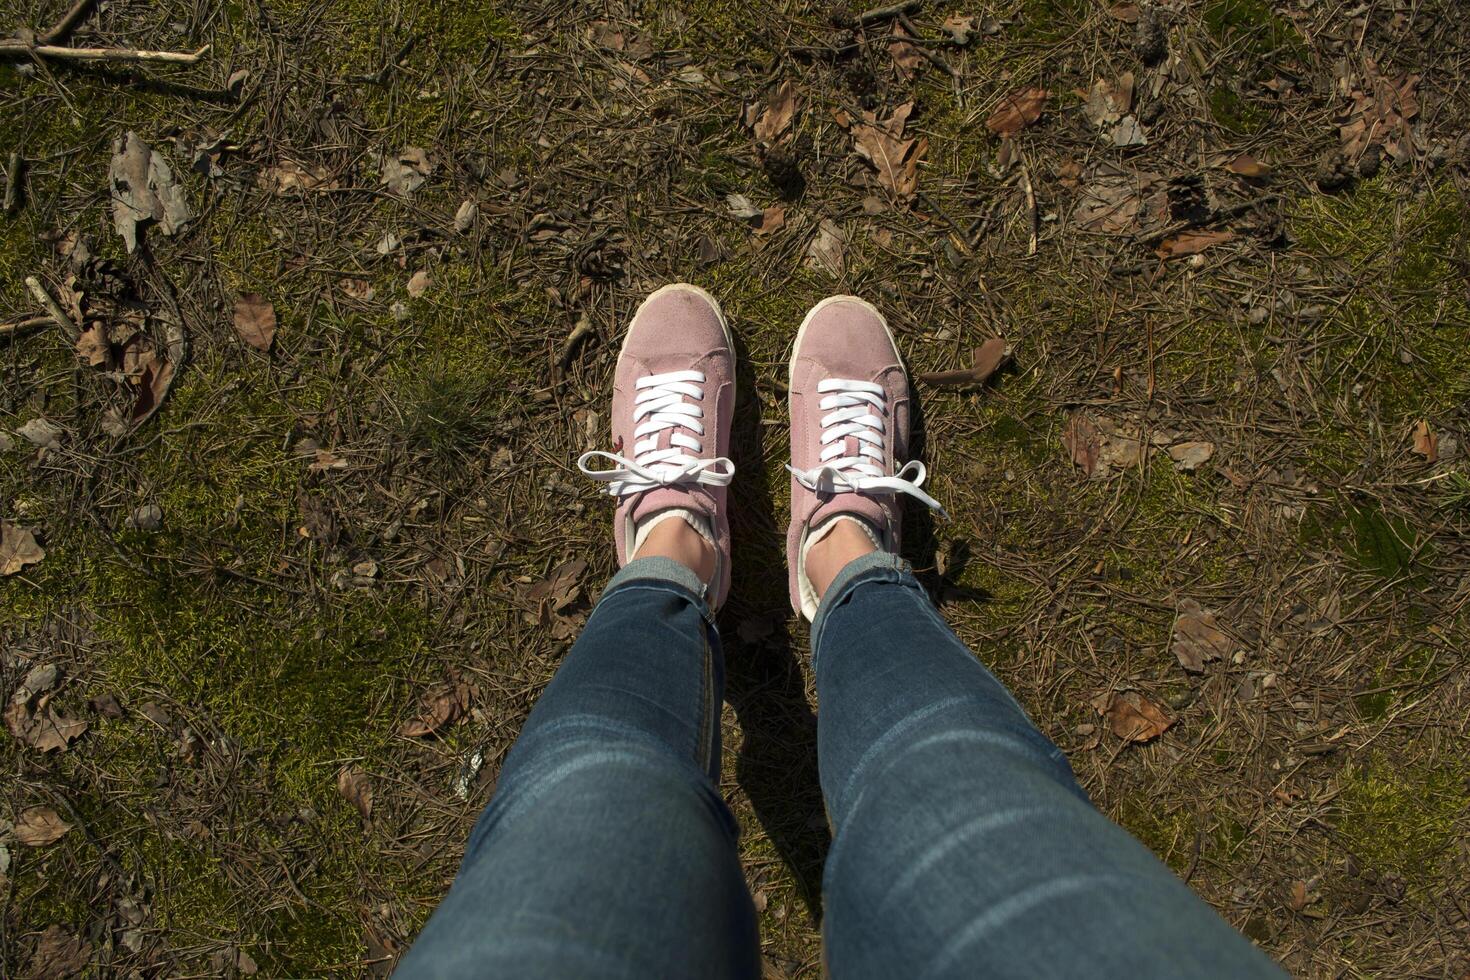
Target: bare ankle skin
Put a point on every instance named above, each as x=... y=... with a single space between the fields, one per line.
x=830 y=555
x=675 y=539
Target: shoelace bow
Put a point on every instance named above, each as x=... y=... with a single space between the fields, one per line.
x=663 y=403
x=859 y=409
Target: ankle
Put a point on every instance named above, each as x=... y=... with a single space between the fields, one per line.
x=675 y=538
x=845 y=542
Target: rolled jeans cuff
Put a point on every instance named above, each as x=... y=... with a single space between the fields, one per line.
x=876 y=566
x=667 y=572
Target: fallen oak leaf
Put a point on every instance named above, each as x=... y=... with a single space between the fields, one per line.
x=1132 y=716
x=1083 y=441
x=18 y=548
x=959 y=27
x=39 y=826
x=405 y=171
x=290 y=179
x=418 y=283
x=143 y=191
x=1192 y=243
x=92 y=345
x=1017 y=110
x=1189 y=456
x=882 y=144
x=1247 y=166
x=828 y=249
x=1197 y=637
x=560 y=589
x=906 y=57
x=1426 y=442
x=355 y=788
x=772 y=220
x=59 y=952
x=255 y=320
x=778 y=114
x=441 y=705
x=985 y=360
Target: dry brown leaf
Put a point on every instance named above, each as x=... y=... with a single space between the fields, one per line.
x=1191 y=243
x=1116 y=200
x=290 y=179
x=1108 y=102
x=39 y=826
x=354 y=786
x=1197 y=638
x=778 y=114
x=559 y=589
x=440 y=706
x=906 y=57
x=155 y=375
x=881 y=142
x=1128 y=13
x=405 y=172
x=59 y=953
x=143 y=191
x=255 y=320
x=984 y=361
x=959 y=27
x=1017 y=110
x=1249 y=167
x=1381 y=115
x=1083 y=441
x=1426 y=442
x=1189 y=456
x=326 y=460
x=18 y=548
x=772 y=220
x=418 y=283
x=828 y=249
x=357 y=289
x=92 y=345
x=1133 y=716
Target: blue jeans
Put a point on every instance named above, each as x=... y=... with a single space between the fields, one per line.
x=962 y=845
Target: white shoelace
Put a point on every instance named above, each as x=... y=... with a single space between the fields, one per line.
x=859 y=409
x=663 y=402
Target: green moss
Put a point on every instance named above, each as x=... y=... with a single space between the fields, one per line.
x=1405 y=818
x=1381 y=543
x=1233 y=112
x=1170 y=835
x=1250 y=27
x=1406 y=255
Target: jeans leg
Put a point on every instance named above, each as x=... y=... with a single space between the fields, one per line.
x=963 y=845
x=608 y=850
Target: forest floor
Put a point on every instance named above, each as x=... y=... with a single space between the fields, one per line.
x=291 y=535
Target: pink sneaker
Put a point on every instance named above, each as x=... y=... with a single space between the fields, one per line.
x=849 y=426
x=673 y=398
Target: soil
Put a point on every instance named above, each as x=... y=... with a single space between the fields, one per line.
x=312 y=540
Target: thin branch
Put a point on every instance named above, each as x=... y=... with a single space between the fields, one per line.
x=67 y=24
x=23 y=326
x=16 y=49
x=892 y=10
x=58 y=315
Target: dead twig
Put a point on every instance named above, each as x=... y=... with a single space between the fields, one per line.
x=1030 y=205
x=23 y=326
x=892 y=10
x=66 y=24
x=12 y=182
x=921 y=45
x=18 y=49
x=58 y=315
